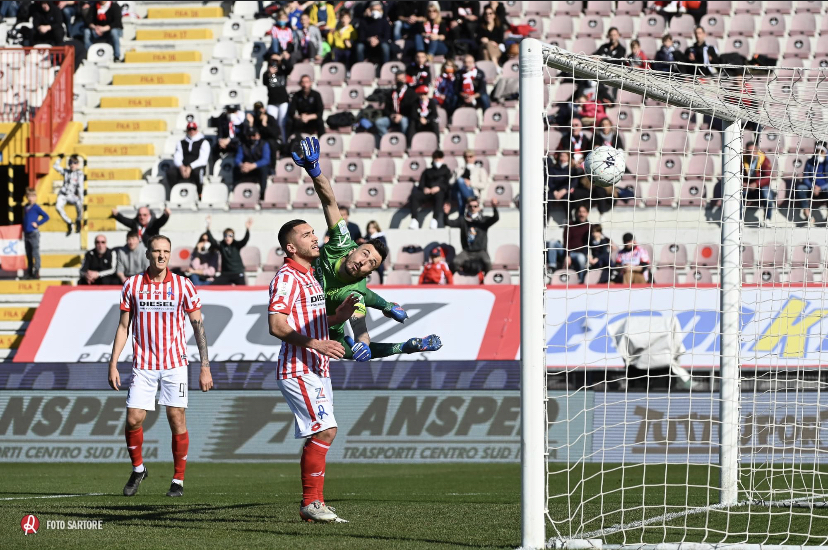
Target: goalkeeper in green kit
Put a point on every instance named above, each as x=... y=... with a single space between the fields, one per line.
x=342 y=269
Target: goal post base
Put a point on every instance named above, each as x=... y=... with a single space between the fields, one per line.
x=597 y=544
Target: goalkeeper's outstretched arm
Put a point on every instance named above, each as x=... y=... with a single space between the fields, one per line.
x=326 y=196
x=309 y=160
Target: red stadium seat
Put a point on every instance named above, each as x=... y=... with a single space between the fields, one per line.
x=408 y=260
x=400 y=194
x=708 y=142
x=742 y=25
x=245 y=195
x=781 y=7
x=361 y=146
x=797 y=47
x=496 y=118
x=738 y=44
x=251 y=257
x=287 y=172
x=721 y=8
x=388 y=73
x=543 y=9
x=413 y=168
x=700 y=276
x=463 y=120
x=701 y=167
x=629 y=7
x=560 y=28
x=706 y=255
x=683 y=25
x=332 y=74
x=769 y=46
x=423 y=144
x=666 y=276
x=713 y=23
x=306 y=197
x=455 y=143
x=487 y=143
x=692 y=194
x=180 y=258
x=773 y=255
x=591 y=27
x=362 y=74
x=564 y=277
x=806 y=255
x=371 y=195
x=351 y=97
x=497 y=277
x=275 y=259
x=651 y=25
x=401 y=278
x=752 y=7
x=300 y=70
x=264 y=278
x=507 y=256
x=344 y=193
x=673 y=255
x=660 y=193
x=624 y=24
x=392 y=144
x=489 y=69
x=331 y=145
x=350 y=170
x=508 y=169
x=652 y=118
x=382 y=170
x=277 y=195
x=748 y=256
x=803 y=24
x=772 y=25
x=800 y=275
x=669 y=167
x=569 y=8
x=681 y=119
x=601 y=9
x=502 y=191
x=808 y=7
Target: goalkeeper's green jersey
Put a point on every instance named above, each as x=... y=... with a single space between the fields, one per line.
x=326 y=269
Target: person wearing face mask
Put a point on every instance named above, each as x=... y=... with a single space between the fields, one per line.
x=374 y=41
x=275 y=81
x=432 y=189
x=474 y=228
x=232 y=266
x=253 y=160
x=203 y=262
x=396 y=108
x=268 y=128
x=281 y=35
x=813 y=186
x=470 y=180
x=423 y=115
x=445 y=93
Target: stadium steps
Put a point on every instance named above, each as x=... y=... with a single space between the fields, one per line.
x=141 y=80
x=190 y=51
x=127 y=127
x=165 y=35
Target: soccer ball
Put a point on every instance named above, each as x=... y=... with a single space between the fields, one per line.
x=605 y=166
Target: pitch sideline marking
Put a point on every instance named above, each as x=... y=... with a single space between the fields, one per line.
x=55 y=496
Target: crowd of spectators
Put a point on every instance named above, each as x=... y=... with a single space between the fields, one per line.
x=78 y=24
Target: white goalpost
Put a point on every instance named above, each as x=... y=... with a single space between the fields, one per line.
x=682 y=408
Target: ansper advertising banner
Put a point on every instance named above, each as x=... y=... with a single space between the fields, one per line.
x=776 y=426
x=373 y=426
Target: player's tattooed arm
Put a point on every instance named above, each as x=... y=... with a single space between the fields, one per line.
x=200 y=337
x=360 y=328
x=205 y=378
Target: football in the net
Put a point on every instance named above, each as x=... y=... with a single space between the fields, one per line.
x=605 y=166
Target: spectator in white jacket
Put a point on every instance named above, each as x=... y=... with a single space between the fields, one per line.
x=190 y=159
x=470 y=180
x=70 y=192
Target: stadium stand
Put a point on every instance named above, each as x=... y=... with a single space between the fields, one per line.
x=188 y=64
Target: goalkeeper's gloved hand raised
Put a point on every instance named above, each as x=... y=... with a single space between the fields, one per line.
x=395 y=311
x=309 y=159
x=361 y=350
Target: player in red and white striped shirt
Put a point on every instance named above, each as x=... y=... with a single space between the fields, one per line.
x=297 y=317
x=157 y=302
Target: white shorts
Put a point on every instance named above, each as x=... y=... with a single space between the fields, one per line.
x=310 y=398
x=144 y=385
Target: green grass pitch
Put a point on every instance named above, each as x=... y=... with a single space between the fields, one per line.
x=390 y=506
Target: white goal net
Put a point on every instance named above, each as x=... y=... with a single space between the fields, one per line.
x=676 y=356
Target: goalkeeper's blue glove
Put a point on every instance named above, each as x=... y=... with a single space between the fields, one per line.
x=309 y=160
x=361 y=350
x=395 y=311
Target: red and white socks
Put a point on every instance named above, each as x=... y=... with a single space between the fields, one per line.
x=134 y=441
x=312 y=466
x=180 y=446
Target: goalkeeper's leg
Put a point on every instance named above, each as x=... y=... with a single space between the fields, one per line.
x=382 y=349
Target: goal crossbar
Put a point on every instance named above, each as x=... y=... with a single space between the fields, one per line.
x=768 y=100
